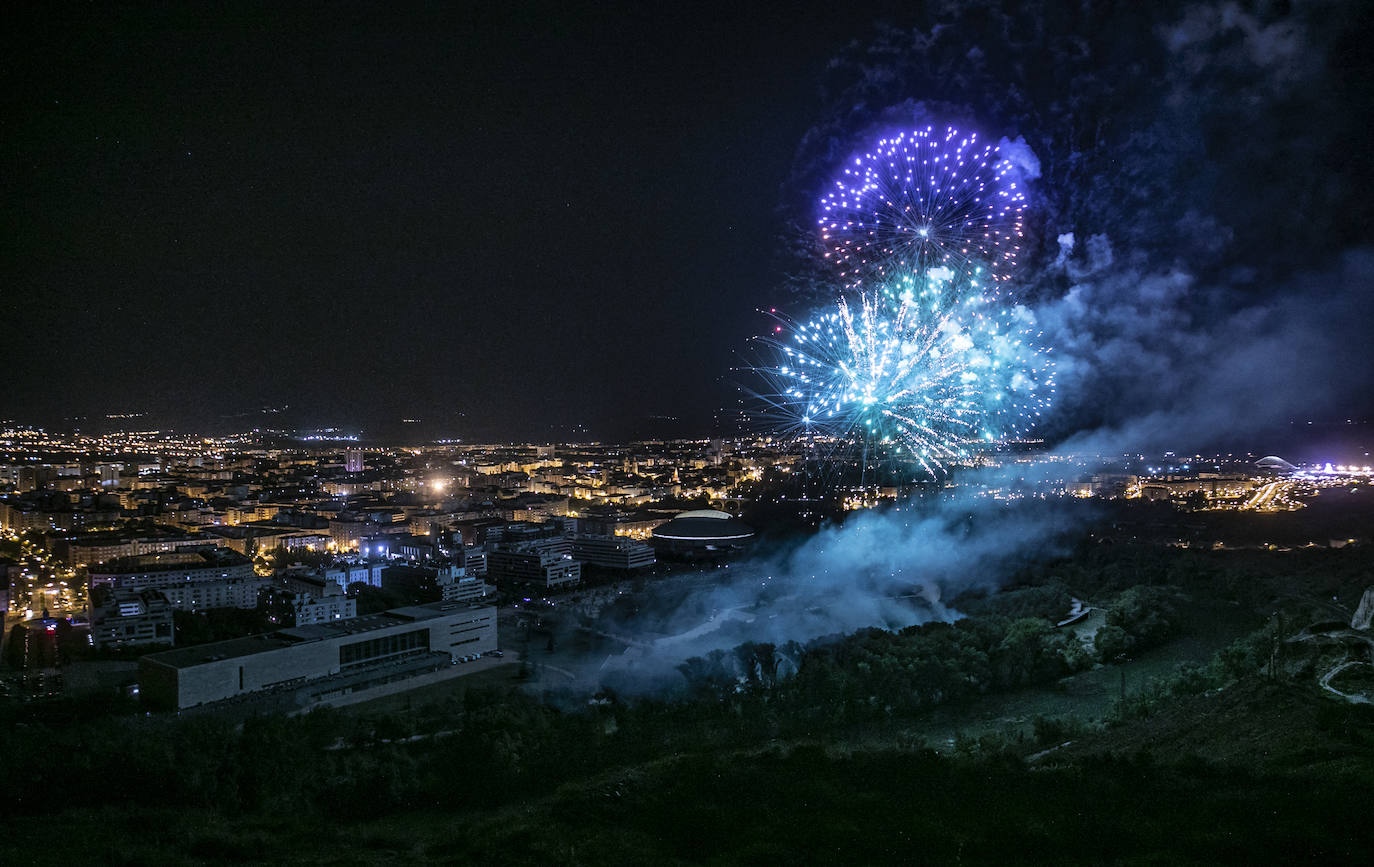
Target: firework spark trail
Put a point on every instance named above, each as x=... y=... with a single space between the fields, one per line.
x=921 y=354
x=923 y=372
x=920 y=200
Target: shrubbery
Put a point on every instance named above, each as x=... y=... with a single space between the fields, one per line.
x=495 y=747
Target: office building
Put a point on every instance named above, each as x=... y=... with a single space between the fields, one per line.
x=612 y=552
x=545 y=564
x=309 y=663
x=121 y=618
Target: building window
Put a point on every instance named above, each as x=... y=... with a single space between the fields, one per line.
x=387 y=646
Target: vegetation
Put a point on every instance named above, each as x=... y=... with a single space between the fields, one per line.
x=218 y=624
x=372 y=600
x=280 y=558
x=779 y=753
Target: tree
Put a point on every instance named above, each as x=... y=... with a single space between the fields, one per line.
x=1111 y=642
x=1146 y=613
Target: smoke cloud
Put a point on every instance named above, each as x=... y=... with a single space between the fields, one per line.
x=1198 y=257
x=890 y=569
x=1159 y=361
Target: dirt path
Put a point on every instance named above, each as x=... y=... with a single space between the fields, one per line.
x=1350 y=697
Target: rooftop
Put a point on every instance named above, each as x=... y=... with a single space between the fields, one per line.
x=194 y=558
x=186 y=657
x=706 y=513
x=704 y=525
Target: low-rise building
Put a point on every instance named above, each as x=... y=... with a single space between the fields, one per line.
x=320 y=660
x=367 y=572
x=122 y=618
x=702 y=533
x=205 y=595
x=474 y=561
x=467 y=589
x=546 y=564
x=102 y=547
x=191 y=580
x=612 y=552
x=413 y=547
x=433 y=582
x=293 y=608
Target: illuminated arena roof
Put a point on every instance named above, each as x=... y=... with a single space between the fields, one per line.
x=1274 y=462
x=705 y=527
x=705 y=513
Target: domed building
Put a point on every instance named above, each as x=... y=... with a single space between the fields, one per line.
x=1275 y=464
x=702 y=533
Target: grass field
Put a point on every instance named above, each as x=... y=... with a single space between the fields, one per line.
x=455 y=688
x=1089 y=695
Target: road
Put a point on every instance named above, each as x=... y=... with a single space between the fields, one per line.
x=44 y=583
x=1263 y=499
x=1353 y=698
x=1337 y=638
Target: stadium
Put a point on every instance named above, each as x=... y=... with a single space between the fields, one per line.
x=703 y=533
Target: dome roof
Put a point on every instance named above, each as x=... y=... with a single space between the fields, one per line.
x=704 y=526
x=705 y=513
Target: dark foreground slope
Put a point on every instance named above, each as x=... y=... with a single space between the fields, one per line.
x=1267 y=727
x=1241 y=754
x=803 y=806
x=1260 y=773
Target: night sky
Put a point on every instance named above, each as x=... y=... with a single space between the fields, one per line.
x=509 y=220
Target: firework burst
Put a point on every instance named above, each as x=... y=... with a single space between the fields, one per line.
x=922 y=356
x=922 y=368
x=921 y=200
